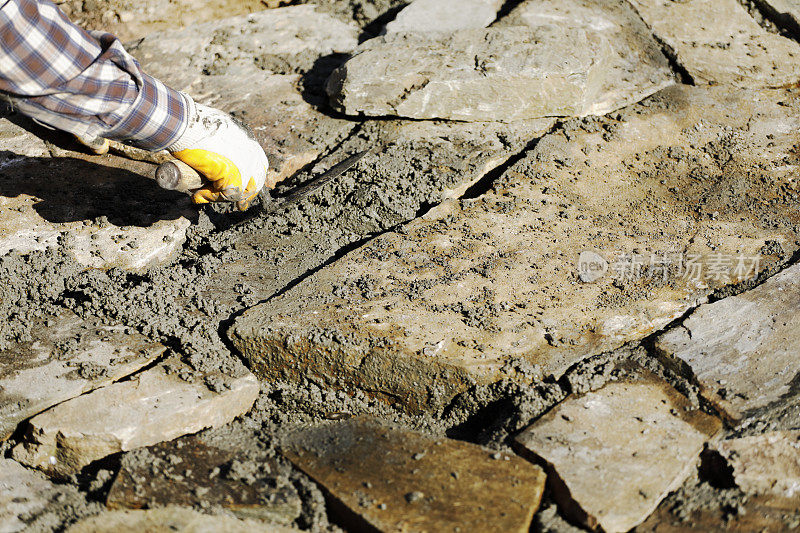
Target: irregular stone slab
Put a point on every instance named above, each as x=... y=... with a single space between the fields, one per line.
x=25 y=494
x=247 y=66
x=68 y=357
x=452 y=300
x=613 y=454
x=159 y=404
x=504 y=73
x=767 y=465
x=396 y=480
x=444 y=15
x=636 y=66
x=742 y=350
x=191 y=473
x=717 y=41
x=169 y=519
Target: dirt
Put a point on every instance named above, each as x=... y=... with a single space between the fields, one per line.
x=176 y=305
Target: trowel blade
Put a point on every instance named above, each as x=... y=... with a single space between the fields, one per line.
x=316 y=183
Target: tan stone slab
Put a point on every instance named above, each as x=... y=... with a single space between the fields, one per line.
x=103 y=210
x=766 y=465
x=635 y=68
x=397 y=480
x=718 y=42
x=159 y=404
x=504 y=73
x=190 y=472
x=68 y=357
x=613 y=454
x=246 y=65
x=742 y=349
x=444 y=15
x=453 y=299
x=169 y=520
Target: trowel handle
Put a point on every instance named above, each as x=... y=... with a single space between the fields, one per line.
x=176 y=175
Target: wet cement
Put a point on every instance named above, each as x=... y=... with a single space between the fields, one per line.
x=174 y=304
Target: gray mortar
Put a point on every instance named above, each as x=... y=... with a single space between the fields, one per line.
x=156 y=302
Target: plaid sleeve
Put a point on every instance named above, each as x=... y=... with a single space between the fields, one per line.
x=82 y=82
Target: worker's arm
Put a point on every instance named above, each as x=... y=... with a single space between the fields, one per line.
x=86 y=83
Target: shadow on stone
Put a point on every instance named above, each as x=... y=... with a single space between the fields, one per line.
x=70 y=190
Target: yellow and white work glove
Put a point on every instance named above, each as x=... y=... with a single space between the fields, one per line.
x=224 y=152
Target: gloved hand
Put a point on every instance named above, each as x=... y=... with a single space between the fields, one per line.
x=225 y=153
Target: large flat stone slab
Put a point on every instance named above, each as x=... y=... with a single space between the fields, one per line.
x=103 y=211
x=171 y=519
x=68 y=357
x=505 y=73
x=249 y=66
x=159 y=404
x=613 y=454
x=451 y=300
x=396 y=480
x=444 y=15
x=192 y=473
x=742 y=350
x=718 y=42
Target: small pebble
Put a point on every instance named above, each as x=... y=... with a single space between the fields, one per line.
x=412 y=497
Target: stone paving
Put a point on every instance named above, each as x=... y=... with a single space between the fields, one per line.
x=558 y=292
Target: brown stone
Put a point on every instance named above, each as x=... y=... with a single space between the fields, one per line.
x=397 y=480
x=453 y=299
x=742 y=350
x=613 y=454
x=195 y=474
x=159 y=404
x=67 y=357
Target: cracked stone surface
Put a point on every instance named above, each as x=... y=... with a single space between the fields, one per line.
x=718 y=42
x=173 y=518
x=613 y=454
x=102 y=209
x=444 y=15
x=504 y=73
x=742 y=349
x=67 y=357
x=398 y=480
x=636 y=66
x=159 y=404
x=192 y=473
x=249 y=66
x=767 y=465
x=696 y=179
